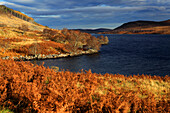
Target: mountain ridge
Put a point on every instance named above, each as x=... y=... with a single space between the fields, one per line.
x=93 y=30
x=13 y=18
x=142 y=23
x=7 y=10
x=142 y=27
x=135 y=27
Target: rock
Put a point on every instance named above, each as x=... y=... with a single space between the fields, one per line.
x=15 y=58
x=90 y=51
x=49 y=56
x=54 y=56
x=7 y=57
x=63 y=55
x=21 y=57
x=83 y=52
x=31 y=57
x=39 y=56
x=43 y=55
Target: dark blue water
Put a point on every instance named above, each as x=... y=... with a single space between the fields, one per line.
x=125 y=54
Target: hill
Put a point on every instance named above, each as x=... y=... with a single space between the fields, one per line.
x=22 y=38
x=94 y=30
x=13 y=18
x=142 y=24
x=142 y=27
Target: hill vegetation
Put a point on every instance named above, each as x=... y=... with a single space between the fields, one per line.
x=15 y=19
x=29 y=88
x=25 y=40
x=25 y=87
x=22 y=43
x=9 y=11
x=142 y=27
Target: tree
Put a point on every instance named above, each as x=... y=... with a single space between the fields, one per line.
x=93 y=43
x=103 y=40
x=34 y=49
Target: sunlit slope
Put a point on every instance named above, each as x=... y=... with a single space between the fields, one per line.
x=12 y=21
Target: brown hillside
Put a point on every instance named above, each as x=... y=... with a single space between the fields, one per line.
x=6 y=10
x=12 y=18
x=142 y=27
x=142 y=24
x=23 y=39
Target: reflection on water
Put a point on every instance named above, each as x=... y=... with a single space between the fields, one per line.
x=125 y=54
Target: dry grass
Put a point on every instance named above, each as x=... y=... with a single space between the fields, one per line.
x=12 y=21
x=27 y=42
x=11 y=38
x=7 y=44
x=161 y=29
x=156 y=87
x=8 y=32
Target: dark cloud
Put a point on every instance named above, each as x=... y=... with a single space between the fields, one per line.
x=89 y=13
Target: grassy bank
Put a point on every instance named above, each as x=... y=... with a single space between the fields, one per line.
x=25 y=87
x=22 y=43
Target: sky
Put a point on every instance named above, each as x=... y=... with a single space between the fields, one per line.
x=90 y=14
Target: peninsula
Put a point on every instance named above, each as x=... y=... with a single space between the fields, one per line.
x=21 y=38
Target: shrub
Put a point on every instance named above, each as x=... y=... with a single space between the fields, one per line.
x=75 y=39
x=93 y=43
x=24 y=28
x=103 y=40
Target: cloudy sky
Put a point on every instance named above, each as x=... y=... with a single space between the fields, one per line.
x=74 y=14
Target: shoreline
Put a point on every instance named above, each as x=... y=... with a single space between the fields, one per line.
x=50 y=56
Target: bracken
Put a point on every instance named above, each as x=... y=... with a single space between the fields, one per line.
x=25 y=87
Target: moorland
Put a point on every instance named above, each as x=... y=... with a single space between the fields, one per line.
x=30 y=88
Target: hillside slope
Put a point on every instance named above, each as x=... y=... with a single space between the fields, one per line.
x=12 y=21
x=13 y=18
x=143 y=24
x=142 y=27
x=21 y=38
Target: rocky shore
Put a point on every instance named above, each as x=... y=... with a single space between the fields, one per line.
x=50 y=56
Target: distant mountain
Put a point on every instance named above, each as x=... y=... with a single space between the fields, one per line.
x=94 y=30
x=142 y=27
x=143 y=24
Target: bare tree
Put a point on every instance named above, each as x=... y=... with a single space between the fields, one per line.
x=34 y=49
x=93 y=43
